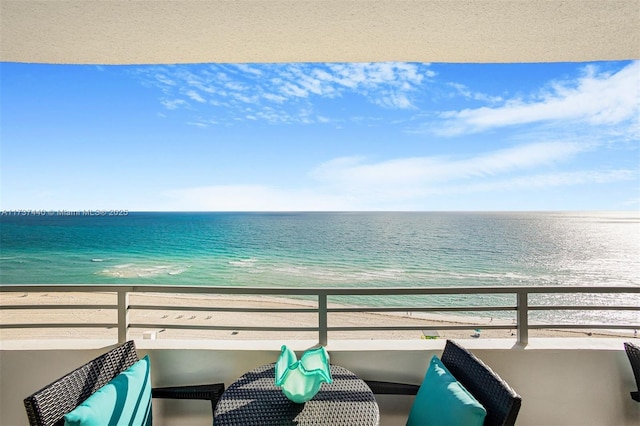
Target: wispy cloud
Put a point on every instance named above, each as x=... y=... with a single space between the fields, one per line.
x=594 y=98
x=269 y=87
x=530 y=167
x=352 y=183
x=174 y=103
x=355 y=172
x=467 y=93
x=258 y=198
x=549 y=180
x=193 y=95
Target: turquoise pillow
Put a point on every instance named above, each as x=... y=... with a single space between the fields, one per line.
x=442 y=400
x=125 y=400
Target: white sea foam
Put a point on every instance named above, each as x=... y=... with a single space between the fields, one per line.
x=336 y=275
x=124 y=266
x=97 y=260
x=387 y=274
x=492 y=276
x=130 y=270
x=244 y=262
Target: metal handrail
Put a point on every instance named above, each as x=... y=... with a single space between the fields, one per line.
x=522 y=306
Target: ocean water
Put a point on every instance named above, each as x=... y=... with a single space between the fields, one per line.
x=328 y=249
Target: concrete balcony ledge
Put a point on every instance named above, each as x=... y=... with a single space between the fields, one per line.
x=562 y=381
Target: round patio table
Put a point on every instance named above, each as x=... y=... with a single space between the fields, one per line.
x=254 y=399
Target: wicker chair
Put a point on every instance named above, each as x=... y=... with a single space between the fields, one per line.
x=496 y=396
x=633 y=352
x=48 y=406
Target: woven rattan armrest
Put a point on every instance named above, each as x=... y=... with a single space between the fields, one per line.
x=392 y=388
x=633 y=353
x=211 y=392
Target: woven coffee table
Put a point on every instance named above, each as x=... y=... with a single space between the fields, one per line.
x=254 y=399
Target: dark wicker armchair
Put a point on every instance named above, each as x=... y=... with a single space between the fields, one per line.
x=48 y=406
x=496 y=396
x=633 y=352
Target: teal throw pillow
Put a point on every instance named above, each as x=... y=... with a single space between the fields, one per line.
x=443 y=401
x=125 y=400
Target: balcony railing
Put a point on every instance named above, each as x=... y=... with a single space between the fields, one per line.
x=522 y=307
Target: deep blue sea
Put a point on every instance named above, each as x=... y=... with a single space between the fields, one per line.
x=323 y=249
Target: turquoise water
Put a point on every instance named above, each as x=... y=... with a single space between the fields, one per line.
x=323 y=249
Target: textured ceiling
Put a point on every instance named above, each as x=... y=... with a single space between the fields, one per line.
x=188 y=31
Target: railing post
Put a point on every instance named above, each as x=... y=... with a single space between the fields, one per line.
x=123 y=316
x=322 y=319
x=523 y=318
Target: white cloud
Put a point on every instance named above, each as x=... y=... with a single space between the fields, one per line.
x=464 y=91
x=192 y=94
x=163 y=79
x=595 y=99
x=174 y=104
x=198 y=124
x=396 y=196
x=256 y=198
x=389 y=85
x=414 y=183
x=374 y=80
x=291 y=89
x=394 y=100
x=278 y=115
x=540 y=181
x=236 y=86
x=349 y=183
x=274 y=98
x=354 y=172
x=249 y=69
x=376 y=73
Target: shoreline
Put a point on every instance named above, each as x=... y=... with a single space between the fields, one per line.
x=195 y=313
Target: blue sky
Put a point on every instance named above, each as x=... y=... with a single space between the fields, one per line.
x=314 y=137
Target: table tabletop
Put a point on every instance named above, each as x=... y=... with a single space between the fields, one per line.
x=254 y=399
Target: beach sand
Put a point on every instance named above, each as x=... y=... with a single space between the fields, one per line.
x=235 y=321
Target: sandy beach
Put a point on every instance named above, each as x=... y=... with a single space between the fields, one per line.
x=195 y=313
